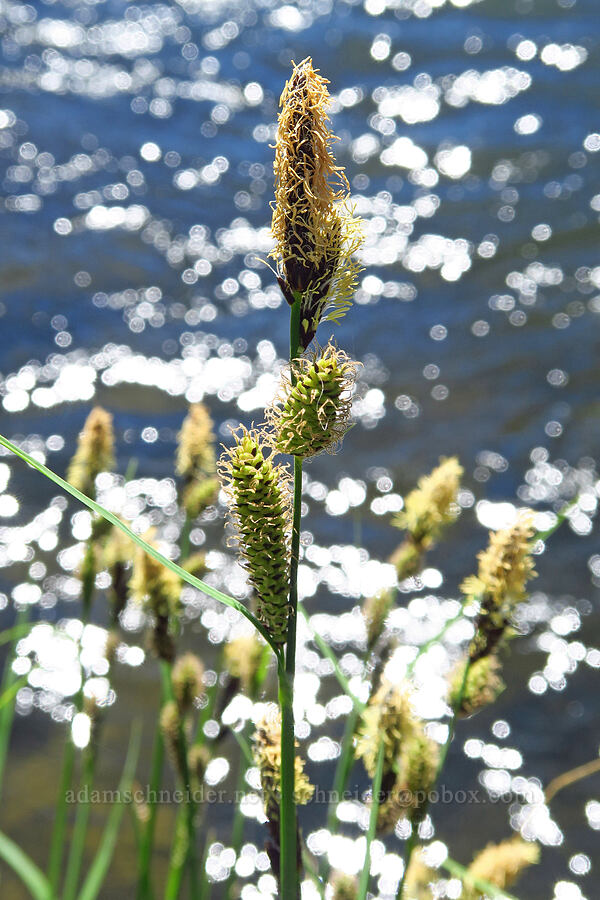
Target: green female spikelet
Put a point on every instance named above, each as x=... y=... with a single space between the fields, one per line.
x=312 y=411
x=259 y=502
x=95 y=452
x=315 y=231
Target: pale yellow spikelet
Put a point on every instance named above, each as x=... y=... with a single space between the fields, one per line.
x=505 y=567
x=419 y=877
x=187 y=677
x=243 y=656
x=315 y=231
x=482 y=686
x=311 y=412
x=432 y=504
x=501 y=864
x=95 y=452
x=389 y=717
x=267 y=756
x=344 y=886
x=152 y=584
x=196 y=444
x=375 y=611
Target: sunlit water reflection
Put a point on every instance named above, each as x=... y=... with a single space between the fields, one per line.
x=136 y=175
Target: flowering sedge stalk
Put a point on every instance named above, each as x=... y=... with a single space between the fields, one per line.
x=501 y=864
x=195 y=460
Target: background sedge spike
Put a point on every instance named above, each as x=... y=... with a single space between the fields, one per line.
x=95 y=452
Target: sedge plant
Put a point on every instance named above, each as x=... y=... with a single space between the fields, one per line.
x=316 y=237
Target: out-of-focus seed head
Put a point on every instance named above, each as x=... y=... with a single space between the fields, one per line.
x=243 y=657
x=501 y=864
x=187 y=677
x=315 y=231
x=259 y=502
x=95 y=452
x=389 y=717
x=267 y=756
x=505 y=567
x=312 y=410
x=196 y=444
x=432 y=504
x=375 y=611
x=419 y=877
x=170 y=725
x=343 y=886
x=483 y=685
x=158 y=590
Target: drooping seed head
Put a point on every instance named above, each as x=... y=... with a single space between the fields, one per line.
x=432 y=504
x=259 y=501
x=315 y=231
x=312 y=411
x=95 y=452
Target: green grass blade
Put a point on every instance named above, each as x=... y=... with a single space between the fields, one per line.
x=8 y=680
x=14 y=633
x=152 y=551
x=366 y=871
x=11 y=692
x=102 y=860
x=33 y=878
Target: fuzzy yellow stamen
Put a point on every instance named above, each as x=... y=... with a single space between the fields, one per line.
x=243 y=657
x=388 y=717
x=267 y=756
x=432 y=504
x=482 y=686
x=315 y=231
x=158 y=589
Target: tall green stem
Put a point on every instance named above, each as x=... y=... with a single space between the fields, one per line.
x=81 y=821
x=288 y=829
x=8 y=679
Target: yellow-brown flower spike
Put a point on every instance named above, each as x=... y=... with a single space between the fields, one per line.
x=501 y=864
x=388 y=717
x=483 y=685
x=170 y=726
x=375 y=611
x=343 y=886
x=259 y=502
x=267 y=756
x=187 y=677
x=195 y=460
x=311 y=413
x=432 y=504
x=158 y=589
x=196 y=444
x=243 y=657
x=505 y=567
x=416 y=770
x=419 y=877
x=315 y=231
x=95 y=452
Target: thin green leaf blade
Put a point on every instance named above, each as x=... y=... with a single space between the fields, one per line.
x=32 y=877
x=102 y=860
